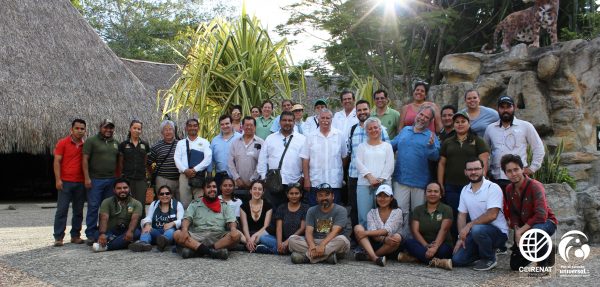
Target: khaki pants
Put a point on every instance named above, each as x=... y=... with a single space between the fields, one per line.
x=186 y=193
x=172 y=184
x=338 y=244
x=408 y=198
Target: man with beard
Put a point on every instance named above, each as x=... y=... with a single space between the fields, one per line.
x=192 y=157
x=356 y=136
x=416 y=146
x=510 y=135
x=99 y=164
x=119 y=219
x=324 y=238
x=322 y=158
x=203 y=228
x=478 y=240
x=272 y=157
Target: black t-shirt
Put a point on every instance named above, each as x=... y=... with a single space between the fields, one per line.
x=254 y=226
x=291 y=220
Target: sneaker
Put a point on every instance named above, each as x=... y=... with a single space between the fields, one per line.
x=332 y=259
x=406 y=258
x=263 y=249
x=139 y=246
x=58 y=243
x=98 y=248
x=361 y=256
x=502 y=250
x=380 y=261
x=483 y=265
x=222 y=253
x=76 y=240
x=299 y=258
x=187 y=253
x=89 y=242
x=161 y=243
x=441 y=263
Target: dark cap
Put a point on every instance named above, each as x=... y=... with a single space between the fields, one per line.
x=506 y=99
x=320 y=102
x=324 y=187
x=107 y=122
x=461 y=114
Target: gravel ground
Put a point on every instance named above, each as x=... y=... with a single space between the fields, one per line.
x=28 y=259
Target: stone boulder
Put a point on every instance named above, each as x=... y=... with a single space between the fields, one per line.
x=588 y=203
x=562 y=199
x=547 y=67
x=526 y=89
x=461 y=67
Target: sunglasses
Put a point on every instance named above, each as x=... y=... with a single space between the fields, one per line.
x=164 y=193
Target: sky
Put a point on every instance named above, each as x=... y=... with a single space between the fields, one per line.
x=270 y=14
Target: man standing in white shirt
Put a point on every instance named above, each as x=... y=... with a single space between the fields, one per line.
x=478 y=240
x=192 y=157
x=271 y=154
x=510 y=135
x=322 y=157
x=312 y=123
x=345 y=118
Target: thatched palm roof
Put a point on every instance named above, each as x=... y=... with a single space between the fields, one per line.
x=54 y=68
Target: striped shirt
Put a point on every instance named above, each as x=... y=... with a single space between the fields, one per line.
x=157 y=154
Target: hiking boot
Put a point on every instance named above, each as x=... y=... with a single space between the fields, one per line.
x=441 y=263
x=299 y=258
x=380 y=261
x=483 y=265
x=332 y=259
x=187 y=253
x=222 y=253
x=361 y=256
x=161 y=243
x=76 y=240
x=58 y=243
x=406 y=258
x=140 y=246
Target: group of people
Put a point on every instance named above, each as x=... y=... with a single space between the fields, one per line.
x=411 y=185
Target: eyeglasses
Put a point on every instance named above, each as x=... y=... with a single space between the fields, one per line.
x=324 y=186
x=164 y=193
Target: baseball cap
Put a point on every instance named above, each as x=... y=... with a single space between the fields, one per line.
x=506 y=99
x=107 y=122
x=385 y=189
x=297 y=107
x=324 y=187
x=461 y=114
x=320 y=102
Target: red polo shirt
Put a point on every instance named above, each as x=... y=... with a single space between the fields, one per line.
x=70 y=166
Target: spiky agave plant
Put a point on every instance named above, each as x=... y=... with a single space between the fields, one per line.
x=231 y=63
x=551 y=171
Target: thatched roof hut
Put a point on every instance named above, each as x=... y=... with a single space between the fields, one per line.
x=54 y=68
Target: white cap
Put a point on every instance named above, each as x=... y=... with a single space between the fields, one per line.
x=385 y=189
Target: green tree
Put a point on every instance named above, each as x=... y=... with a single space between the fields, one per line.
x=155 y=30
x=231 y=62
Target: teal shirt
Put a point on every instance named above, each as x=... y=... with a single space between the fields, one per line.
x=263 y=127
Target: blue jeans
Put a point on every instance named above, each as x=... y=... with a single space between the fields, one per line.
x=71 y=192
x=481 y=243
x=452 y=198
x=270 y=241
x=150 y=237
x=101 y=189
x=365 y=201
x=516 y=258
x=312 y=196
x=416 y=249
x=116 y=238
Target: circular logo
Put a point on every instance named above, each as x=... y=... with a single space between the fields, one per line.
x=532 y=242
x=569 y=241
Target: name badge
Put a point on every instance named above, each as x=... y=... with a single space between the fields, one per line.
x=250 y=153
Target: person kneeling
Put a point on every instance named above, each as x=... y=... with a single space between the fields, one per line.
x=383 y=228
x=430 y=227
x=119 y=217
x=208 y=218
x=162 y=220
x=324 y=237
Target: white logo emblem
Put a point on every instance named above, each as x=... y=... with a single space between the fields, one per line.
x=532 y=241
x=564 y=247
